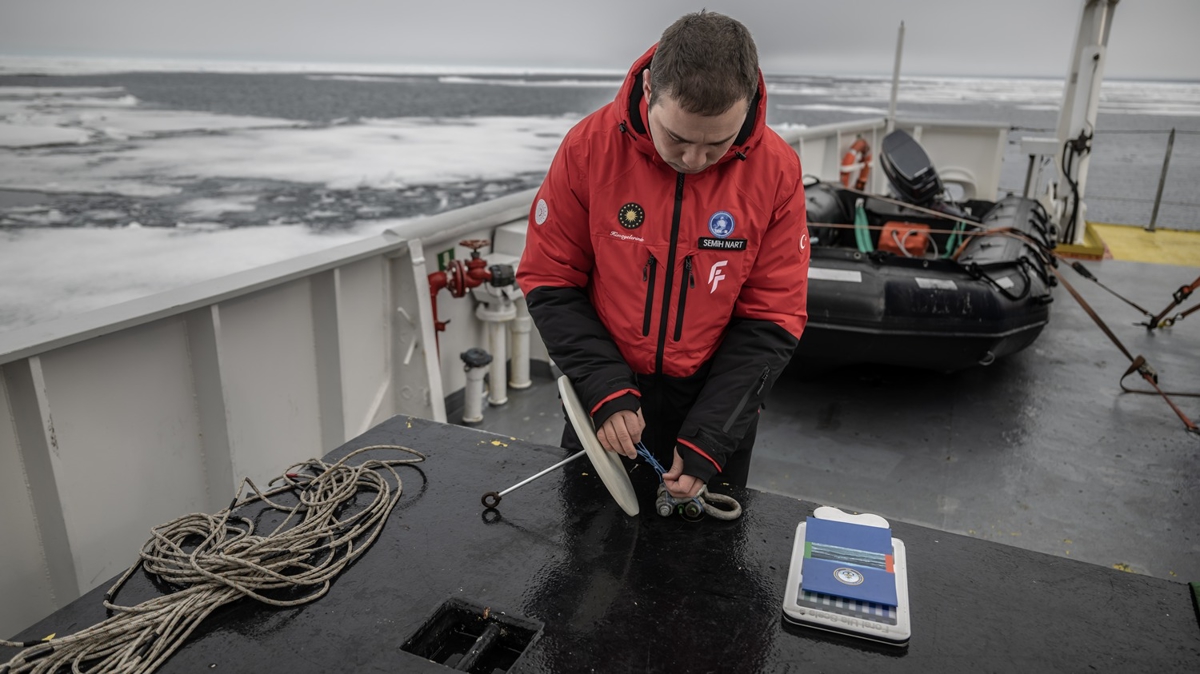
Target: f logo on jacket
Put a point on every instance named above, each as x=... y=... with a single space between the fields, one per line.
x=715 y=275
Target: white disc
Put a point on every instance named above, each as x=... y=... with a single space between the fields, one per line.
x=607 y=464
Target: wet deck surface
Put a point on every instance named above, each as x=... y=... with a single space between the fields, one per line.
x=620 y=594
x=1040 y=450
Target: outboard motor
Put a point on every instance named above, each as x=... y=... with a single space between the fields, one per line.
x=909 y=169
x=824 y=206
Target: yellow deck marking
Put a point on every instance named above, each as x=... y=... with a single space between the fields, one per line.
x=1166 y=246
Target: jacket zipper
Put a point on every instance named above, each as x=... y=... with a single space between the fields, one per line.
x=688 y=281
x=762 y=381
x=649 y=272
x=666 y=303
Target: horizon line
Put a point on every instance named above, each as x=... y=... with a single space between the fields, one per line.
x=62 y=65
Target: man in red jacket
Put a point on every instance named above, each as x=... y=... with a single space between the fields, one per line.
x=666 y=260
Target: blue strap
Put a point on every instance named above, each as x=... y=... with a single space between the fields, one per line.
x=649 y=458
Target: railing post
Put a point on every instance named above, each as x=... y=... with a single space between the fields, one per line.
x=1162 y=179
x=891 y=118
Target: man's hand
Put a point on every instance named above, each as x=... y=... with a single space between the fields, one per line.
x=679 y=485
x=621 y=432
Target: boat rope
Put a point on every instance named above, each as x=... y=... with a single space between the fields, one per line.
x=954 y=217
x=214 y=560
x=1178 y=297
x=1049 y=257
x=1159 y=320
x=1168 y=322
x=977 y=272
x=703 y=503
x=1087 y=274
x=1137 y=364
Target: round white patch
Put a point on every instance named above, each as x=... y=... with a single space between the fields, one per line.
x=848 y=576
x=541 y=212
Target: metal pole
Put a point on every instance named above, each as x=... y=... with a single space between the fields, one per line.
x=1162 y=179
x=1029 y=177
x=492 y=499
x=891 y=118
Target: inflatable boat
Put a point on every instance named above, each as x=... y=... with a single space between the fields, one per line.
x=917 y=279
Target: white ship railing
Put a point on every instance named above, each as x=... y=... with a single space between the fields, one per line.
x=967 y=155
x=120 y=419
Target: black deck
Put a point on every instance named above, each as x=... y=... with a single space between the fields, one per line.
x=618 y=594
x=1040 y=450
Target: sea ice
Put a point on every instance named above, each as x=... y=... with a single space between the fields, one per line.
x=132 y=262
x=33 y=135
x=375 y=153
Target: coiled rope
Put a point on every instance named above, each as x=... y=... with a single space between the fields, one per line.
x=218 y=559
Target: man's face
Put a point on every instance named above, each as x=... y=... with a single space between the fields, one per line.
x=687 y=142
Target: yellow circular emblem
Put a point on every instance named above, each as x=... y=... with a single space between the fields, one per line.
x=631 y=216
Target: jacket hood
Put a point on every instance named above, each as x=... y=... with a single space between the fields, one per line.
x=629 y=110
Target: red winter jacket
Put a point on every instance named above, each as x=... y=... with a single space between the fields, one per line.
x=630 y=267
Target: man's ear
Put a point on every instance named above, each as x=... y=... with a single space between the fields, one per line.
x=646 y=85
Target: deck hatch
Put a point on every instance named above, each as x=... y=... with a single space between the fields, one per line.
x=467 y=636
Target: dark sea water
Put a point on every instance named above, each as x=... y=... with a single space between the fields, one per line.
x=300 y=156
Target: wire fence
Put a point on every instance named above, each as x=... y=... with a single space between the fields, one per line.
x=1130 y=179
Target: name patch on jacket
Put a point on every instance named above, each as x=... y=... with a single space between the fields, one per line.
x=708 y=243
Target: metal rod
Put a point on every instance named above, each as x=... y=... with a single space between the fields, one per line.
x=492 y=499
x=891 y=118
x=482 y=644
x=1162 y=179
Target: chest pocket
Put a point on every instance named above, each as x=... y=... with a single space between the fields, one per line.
x=710 y=282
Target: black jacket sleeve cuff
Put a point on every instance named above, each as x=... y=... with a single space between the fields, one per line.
x=628 y=402
x=696 y=464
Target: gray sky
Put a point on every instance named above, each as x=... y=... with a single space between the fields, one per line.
x=1150 y=38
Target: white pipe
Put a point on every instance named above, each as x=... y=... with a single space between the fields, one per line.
x=497 y=388
x=521 y=326
x=473 y=404
x=495 y=311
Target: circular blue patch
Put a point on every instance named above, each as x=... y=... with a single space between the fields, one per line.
x=721 y=224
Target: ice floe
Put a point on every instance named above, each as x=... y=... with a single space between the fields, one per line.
x=32 y=135
x=377 y=153
x=32 y=116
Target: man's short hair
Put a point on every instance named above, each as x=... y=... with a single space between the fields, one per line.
x=707 y=62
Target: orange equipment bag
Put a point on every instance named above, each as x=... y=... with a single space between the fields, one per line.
x=909 y=239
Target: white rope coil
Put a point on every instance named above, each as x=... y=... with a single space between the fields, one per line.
x=218 y=559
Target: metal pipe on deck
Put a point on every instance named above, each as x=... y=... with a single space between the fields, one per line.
x=521 y=327
x=498 y=379
x=475 y=362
